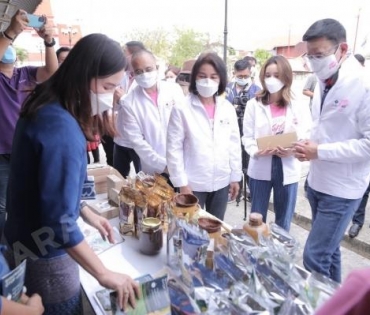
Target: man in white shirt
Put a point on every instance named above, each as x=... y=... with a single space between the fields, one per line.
x=146 y=111
x=339 y=146
x=122 y=152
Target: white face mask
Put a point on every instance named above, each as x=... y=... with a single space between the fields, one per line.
x=171 y=79
x=206 y=87
x=147 y=79
x=324 y=67
x=100 y=102
x=273 y=84
x=243 y=82
x=10 y=55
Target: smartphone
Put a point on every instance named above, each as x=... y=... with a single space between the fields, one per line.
x=35 y=21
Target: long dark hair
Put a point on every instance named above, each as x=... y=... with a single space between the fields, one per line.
x=94 y=56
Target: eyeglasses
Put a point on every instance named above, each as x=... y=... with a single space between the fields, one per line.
x=141 y=71
x=323 y=55
x=243 y=76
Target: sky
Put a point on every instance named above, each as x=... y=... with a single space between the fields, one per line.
x=250 y=23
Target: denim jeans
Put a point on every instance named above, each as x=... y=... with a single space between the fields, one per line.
x=359 y=216
x=4 y=175
x=122 y=158
x=215 y=202
x=285 y=196
x=330 y=218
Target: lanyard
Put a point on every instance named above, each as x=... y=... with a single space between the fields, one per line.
x=328 y=85
x=326 y=91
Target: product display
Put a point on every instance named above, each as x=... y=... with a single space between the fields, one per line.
x=212 y=268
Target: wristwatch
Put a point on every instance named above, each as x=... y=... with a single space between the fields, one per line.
x=50 y=44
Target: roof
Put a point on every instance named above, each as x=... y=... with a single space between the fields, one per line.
x=9 y=7
x=298 y=65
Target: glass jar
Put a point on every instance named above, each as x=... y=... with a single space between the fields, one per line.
x=151 y=236
x=255 y=226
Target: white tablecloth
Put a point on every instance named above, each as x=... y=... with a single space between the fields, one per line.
x=124 y=258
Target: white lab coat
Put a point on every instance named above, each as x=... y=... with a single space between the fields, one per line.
x=204 y=157
x=145 y=125
x=257 y=123
x=342 y=133
x=120 y=139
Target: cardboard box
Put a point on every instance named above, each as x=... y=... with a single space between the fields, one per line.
x=100 y=177
x=103 y=208
x=284 y=140
x=113 y=196
x=114 y=182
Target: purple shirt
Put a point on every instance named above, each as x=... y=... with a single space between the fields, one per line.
x=13 y=92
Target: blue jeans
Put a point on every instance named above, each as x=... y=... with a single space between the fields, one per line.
x=215 y=202
x=330 y=218
x=4 y=175
x=359 y=216
x=285 y=196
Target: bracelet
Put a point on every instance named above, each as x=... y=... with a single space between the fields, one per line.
x=50 y=44
x=83 y=204
x=7 y=36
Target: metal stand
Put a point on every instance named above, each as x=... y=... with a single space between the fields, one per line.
x=245 y=193
x=243 y=183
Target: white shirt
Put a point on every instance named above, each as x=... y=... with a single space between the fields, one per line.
x=204 y=155
x=258 y=123
x=145 y=124
x=120 y=139
x=342 y=132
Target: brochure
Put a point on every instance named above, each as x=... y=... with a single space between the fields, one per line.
x=97 y=243
x=12 y=283
x=154 y=298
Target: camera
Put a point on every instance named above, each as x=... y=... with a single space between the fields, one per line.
x=242 y=98
x=240 y=101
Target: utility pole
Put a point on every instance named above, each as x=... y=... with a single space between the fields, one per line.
x=225 y=34
x=358 y=20
x=289 y=41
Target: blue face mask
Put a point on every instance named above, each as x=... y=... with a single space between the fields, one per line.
x=10 y=55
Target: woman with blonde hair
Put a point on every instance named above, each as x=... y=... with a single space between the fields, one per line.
x=271 y=113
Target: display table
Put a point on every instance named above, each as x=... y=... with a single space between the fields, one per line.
x=124 y=258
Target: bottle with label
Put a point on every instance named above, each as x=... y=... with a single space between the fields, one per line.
x=151 y=237
x=255 y=226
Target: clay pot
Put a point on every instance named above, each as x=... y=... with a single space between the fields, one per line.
x=185 y=200
x=210 y=225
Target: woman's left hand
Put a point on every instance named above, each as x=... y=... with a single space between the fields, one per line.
x=234 y=190
x=282 y=152
x=98 y=222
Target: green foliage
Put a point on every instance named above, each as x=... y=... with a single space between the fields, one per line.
x=187 y=45
x=231 y=51
x=22 y=54
x=156 y=40
x=261 y=55
x=174 y=47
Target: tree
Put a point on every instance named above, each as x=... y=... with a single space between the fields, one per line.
x=157 y=41
x=22 y=54
x=261 y=55
x=188 y=45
